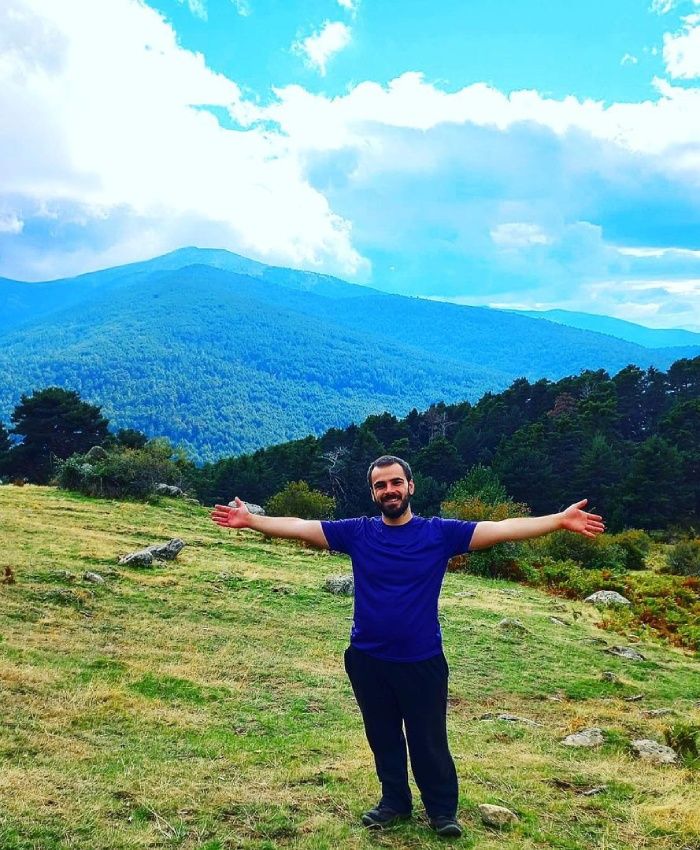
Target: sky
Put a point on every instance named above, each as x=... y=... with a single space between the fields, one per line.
x=526 y=154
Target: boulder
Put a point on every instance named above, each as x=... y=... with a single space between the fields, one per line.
x=166 y=551
x=340 y=585
x=658 y=712
x=497 y=816
x=625 y=652
x=592 y=737
x=142 y=558
x=654 y=752
x=168 y=490
x=607 y=597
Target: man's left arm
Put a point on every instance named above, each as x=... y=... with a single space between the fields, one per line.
x=574 y=519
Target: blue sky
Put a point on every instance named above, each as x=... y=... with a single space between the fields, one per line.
x=519 y=154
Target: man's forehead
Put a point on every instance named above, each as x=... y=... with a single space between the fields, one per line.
x=387 y=473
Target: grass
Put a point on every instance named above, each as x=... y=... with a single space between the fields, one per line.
x=202 y=703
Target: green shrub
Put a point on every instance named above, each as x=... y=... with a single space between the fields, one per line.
x=296 y=499
x=571 y=579
x=635 y=545
x=506 y=560
x=684 y=738
x=125 y=472
x=603 y=553
x=684 y=558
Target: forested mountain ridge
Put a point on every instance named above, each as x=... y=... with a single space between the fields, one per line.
x=630 y=443
x=225 y=362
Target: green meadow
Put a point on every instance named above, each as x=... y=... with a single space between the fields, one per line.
x=203 y=703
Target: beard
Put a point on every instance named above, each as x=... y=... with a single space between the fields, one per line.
x=393 y=510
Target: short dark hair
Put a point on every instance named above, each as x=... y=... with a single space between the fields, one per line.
x=388 y=460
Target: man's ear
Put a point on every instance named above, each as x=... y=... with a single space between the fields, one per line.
x=411 y=487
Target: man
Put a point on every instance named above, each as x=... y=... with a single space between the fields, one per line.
x=395 y=661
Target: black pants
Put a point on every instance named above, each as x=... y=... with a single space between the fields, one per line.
x=412 y=696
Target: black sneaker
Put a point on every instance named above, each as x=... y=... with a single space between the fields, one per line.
x=382 y=816
x=446 y=827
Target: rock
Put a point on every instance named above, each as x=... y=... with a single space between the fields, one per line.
x=634 y=698
x=169 y=490
x=341 y=585
x=607 y=597
x=510 y=625
x=658 y=712
x=94 y=578
x=462 y=593
x=591 y=792
x=654 y=752
x=497 y=816
x=167 y=551
x=608 y=676
x=142 y=558
x=585 y=738
x=510 y=718
x=253 y=508
x=160 y=551
x=625 y=652
x=96 y=453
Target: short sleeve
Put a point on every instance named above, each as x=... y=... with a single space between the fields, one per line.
x=341 y=533
x=458 y=536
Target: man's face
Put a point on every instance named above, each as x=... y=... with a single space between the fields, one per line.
x=390 y=490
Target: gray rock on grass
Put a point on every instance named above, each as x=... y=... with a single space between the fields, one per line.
x=252 y=507
x=653 y=752
x=160 y=551
x=625 y=652
x=340 y=585
x=94 y=578
x=607 y=597
x=497 y=816
x=169 y=490
x=508 y=624
x=592 y=737
x=510 y=718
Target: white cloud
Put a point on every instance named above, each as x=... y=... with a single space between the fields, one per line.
x=682 y=50
x=109 y=86
x=197 y=7
x=319 y=48
x=350 y=5
x=10 y=223
x=242 y=7
x=514 y=235
x=629 y=59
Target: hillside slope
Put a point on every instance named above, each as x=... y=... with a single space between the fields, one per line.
x=203 y=704
x=225 y=362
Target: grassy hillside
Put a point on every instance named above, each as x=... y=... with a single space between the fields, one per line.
x=202 y=704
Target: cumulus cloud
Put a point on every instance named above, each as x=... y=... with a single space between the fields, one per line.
x=350 y=5
x=111 y=88
x=682 y=50
x=242 y=7
x=320 y=47
x=629 y=59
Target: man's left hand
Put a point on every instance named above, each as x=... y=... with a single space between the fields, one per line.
x=578 y=520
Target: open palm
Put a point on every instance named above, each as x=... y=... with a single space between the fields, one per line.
x=580 y=521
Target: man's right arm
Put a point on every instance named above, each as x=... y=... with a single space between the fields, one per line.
x=238 y=516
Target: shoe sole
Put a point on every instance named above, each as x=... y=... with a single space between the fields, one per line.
x=449 y=832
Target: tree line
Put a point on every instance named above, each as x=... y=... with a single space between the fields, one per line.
x=627 y=442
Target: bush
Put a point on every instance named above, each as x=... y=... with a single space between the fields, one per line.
x=684 y=738
x=603 y=553
x=571 y=579
x=296 y=499
x=684 y=558
x=125 y=472
x=635 y=545
x=502 y=561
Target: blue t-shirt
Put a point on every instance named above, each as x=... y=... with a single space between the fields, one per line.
x=398 y=571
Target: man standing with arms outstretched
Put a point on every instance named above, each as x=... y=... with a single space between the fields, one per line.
x=395 y=661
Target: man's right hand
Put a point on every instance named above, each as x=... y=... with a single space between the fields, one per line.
x=232 y=516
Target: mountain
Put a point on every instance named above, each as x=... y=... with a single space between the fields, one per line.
x=226 y=355
x=648 y=337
